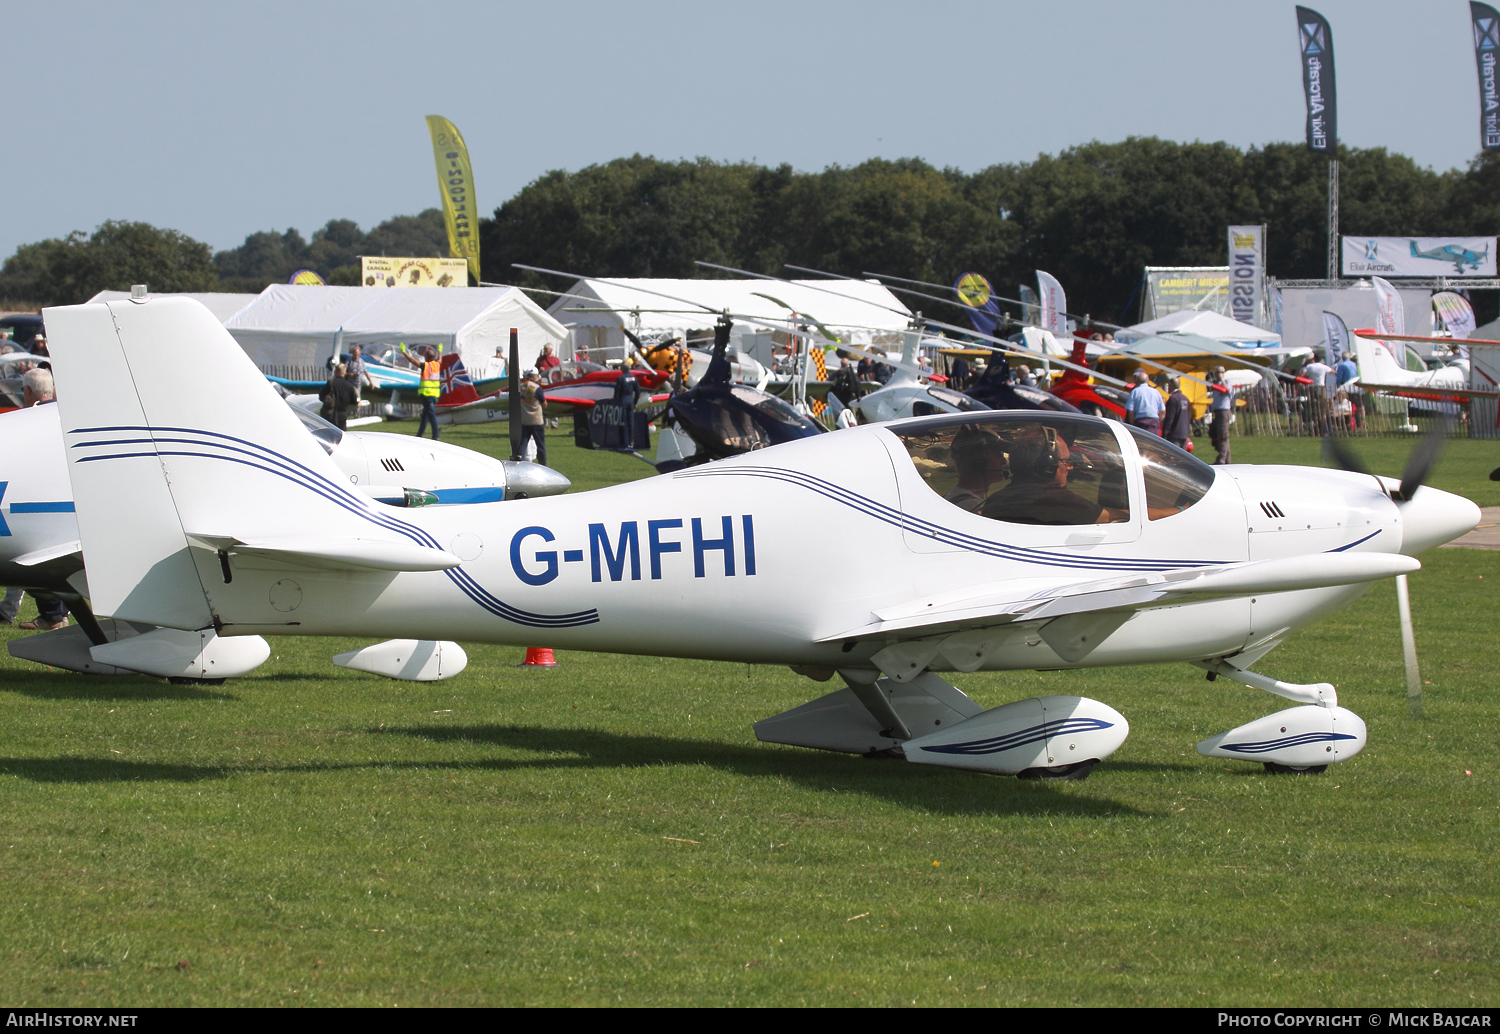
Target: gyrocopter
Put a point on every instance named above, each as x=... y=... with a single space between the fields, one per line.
x=1005 y=541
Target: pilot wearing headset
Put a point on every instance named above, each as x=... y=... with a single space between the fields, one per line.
x=1038 y=493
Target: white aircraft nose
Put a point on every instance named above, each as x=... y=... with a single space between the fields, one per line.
x=1432 y=517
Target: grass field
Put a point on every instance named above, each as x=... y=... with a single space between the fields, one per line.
x=610 y=831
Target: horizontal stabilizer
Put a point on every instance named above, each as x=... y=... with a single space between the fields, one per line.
x=41 y=556
x=379 y=554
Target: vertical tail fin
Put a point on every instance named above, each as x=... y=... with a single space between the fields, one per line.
x=178 y=449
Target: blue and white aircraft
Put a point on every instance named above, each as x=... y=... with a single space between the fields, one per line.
x=1005 y=540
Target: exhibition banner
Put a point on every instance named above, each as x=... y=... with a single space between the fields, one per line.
x=1172 y=289
x=1316 y=40
x=1247 y=273
x=975 y=292
x=412 y=272
x=1486 y=23
x=1418 y=256
x=1336 y=340
x=1054 y=306
x=1390 y=313
x=1455 y=312
x=456 y=184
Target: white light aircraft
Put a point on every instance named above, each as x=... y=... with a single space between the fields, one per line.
x=988 y=541
x=40 y=548
x=1379 y=368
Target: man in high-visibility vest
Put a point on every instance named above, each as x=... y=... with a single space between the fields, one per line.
x=431 y=385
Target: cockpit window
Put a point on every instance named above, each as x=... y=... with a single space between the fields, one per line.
x=1175 y=479
x=1025 y=469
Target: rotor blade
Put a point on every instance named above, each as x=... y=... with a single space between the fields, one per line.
x=1420 y=463
x=615 y=283
x=995 y=344
x=1341 y=456
x=810 y=287
x=1090 y=320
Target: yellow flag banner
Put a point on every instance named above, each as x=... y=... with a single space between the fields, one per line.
x=412 y=272
x=456 y=183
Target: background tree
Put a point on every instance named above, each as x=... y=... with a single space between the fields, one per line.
x=115 y=256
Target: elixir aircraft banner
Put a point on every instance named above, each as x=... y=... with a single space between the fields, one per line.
x=456 y=183
x=1247 y=273
x=1486 y=23
x=1418 y=256
x=1316 y=41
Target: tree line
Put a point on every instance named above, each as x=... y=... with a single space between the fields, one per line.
x=1092 y=215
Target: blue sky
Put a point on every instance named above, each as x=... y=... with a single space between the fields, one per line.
x=222 y=119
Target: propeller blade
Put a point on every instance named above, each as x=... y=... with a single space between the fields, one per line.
x=1420 y=463
x=1341 y=456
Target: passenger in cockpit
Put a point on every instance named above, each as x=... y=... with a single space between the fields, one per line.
x=1038 y=492
x=979 y=460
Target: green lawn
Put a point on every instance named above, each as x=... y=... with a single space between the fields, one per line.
x=610 y=831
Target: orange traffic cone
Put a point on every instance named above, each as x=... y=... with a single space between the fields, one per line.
x=538 y=657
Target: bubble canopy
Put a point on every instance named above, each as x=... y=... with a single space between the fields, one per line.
x=1048 y=468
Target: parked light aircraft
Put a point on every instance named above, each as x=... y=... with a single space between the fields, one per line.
x=1379 y=368
x=1457 y=254
x=1006 y=540
x=40 y=548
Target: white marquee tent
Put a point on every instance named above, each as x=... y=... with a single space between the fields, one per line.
x=1204 y=324
x=859 y=311
x=291 y=331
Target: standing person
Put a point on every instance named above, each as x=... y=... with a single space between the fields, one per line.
x=1220 y=405
x=1144 y=406
x=1024 y=377
x=1347 y=374
x=358 y=375
x=338 y=395
x=546 y=361
x=51 y=612
x=959 y=374
x=534 y=415
x=1317 y=373
x=430 y=387
x=1177 y=424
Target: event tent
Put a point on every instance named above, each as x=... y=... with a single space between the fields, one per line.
x=291 y=331
x=859 y=311
x=1205 y=324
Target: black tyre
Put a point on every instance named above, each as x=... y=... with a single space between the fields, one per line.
x=1274 y=769
x=1074 y=772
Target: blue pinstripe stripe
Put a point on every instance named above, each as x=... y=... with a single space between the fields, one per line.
x=1035 y=734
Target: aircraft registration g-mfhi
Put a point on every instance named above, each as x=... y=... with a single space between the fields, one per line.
x=965 y=542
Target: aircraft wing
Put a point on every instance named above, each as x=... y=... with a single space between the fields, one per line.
x=1097 y=607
